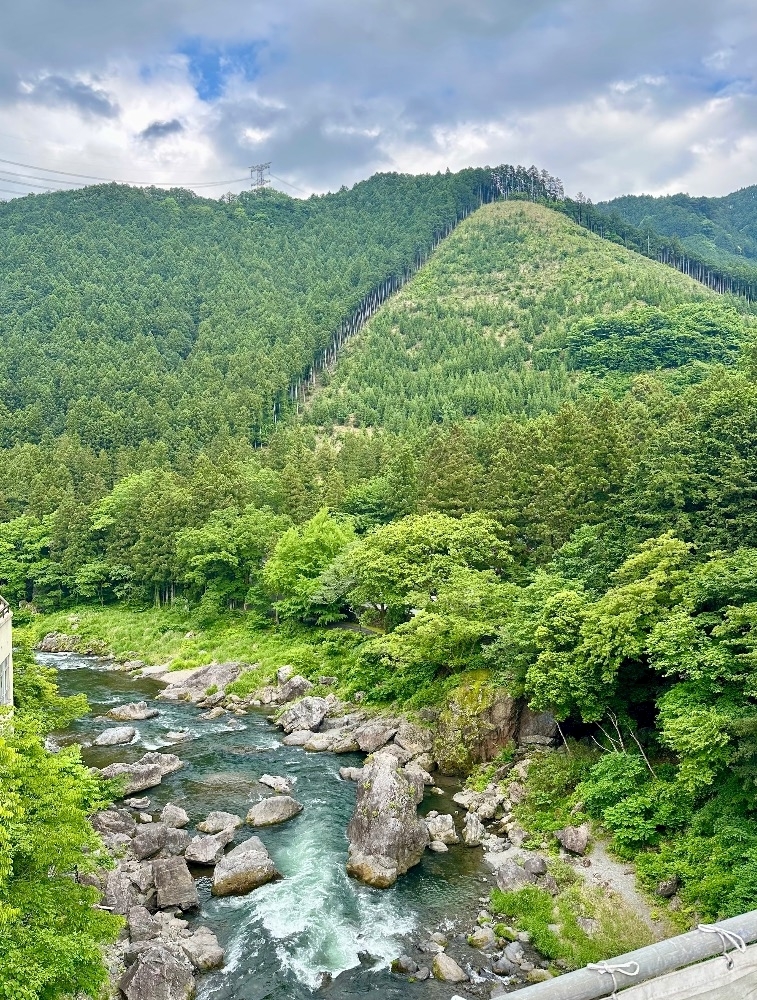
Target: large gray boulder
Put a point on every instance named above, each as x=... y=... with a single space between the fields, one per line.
x=442 y=828
x=308 y=713
x=174 y=816
x=574 y=838
x=167 y=762
x=174 y=884
x=208 y=850
x=510 y=876
x=136 y=711
x=158 y=974
x=414 y=738
x=203 y=950
x=120 y=893
x=217 y=821
x=117 y=736
x=194 y=687
x=386 y=835
x=137 y=776
x=142 y=924
x=149 y=839
x=280 y=785
x=371 y=736
x=114 y=821
x=295 y=687
x=473 y=830
x=276 y=809
x=446 y=969
x=245 y=868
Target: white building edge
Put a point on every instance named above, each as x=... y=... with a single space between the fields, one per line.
x=6 y=655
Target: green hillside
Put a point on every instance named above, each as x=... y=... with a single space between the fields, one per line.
x=722 y=231
x=131 y=316
x=503 y=320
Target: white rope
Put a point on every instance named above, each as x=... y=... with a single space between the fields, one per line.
x=726 y=938
x=627 y=969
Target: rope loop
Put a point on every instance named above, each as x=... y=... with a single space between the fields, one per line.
x=726 y=938
x=606 y=968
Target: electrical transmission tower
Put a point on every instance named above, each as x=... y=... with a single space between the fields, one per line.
x=258 y=176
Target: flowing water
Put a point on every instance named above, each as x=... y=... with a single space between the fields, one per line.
x=281 y=938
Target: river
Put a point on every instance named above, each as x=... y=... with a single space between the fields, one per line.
x=281 y=938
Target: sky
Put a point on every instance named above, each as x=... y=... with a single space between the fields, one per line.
x=613 y=96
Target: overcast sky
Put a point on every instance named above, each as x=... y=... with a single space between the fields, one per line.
x=614 y=96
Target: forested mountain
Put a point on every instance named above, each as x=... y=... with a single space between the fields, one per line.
x=536 y=468
x=130 y=316
x=510 y=315
x=722 y=230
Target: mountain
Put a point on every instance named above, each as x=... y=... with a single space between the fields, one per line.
x=519 y=310
x=130 y=316
x=722 y=231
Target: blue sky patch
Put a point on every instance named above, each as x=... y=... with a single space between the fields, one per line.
x=211 y=65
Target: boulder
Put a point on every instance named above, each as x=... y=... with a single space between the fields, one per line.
x=574 y=838
x=298 y=738
x=308 y=713
x=281 y=785
x=477 y=723
x=669 y=887
x=386 y=835
x=284 y=673
x=482 y=938
x=510 y=876
x=158 y=974
x=295 y=687
x=536 y=728
x=413 y=768
x=438 y=846
x=142 y=924
x=373 y=735
x=277 y=809
x=120 y=893
x=137 y=776
x=345 y=742
x=167 y=762
x=404 y=965
x=149 y=840
x=350 y=773
x=320 y=742
x=535 y=864
x=215 y=713
x=134 y=712
x=194 y=688
x=114 y=821
x=208 y=850
x=177 y=841
x=413 y=738
x=473 y=830
x=174 y=884
x=446 y=969
x=442 y=827
x=203 y=950
x=217 y=821
x=117 y=736
x=245 y=868
x=174 y=816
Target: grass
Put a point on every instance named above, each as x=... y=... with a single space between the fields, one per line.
x=555 y=923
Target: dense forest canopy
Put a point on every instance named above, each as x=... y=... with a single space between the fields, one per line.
x=722 y=230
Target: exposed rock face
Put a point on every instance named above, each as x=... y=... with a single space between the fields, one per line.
x=245 y=868
x=385 y=833
x=138 y=776
x=158 y=974
x=134 y=712
x=177 y=841
x=277 y=809
x=208 y=850
x=511 y=876
x=442 y=827
x=114 y=821
x=117 y=736
x=293 y=688
x=59 y=642
x=167 y=762
x=193 y=688
x=281 y=785
x=284 y=673
x=174 y=816
x=350 y=773
x=217 y=821
x=414 y=738
x=447 y=970
x=473 y=830
x=478 y=722
x=536 y=728
x=148 y=840
x=142 y=924
x=120 y=893
x=308 y=713
x=373 y=735
x=574 y=838
x=174 y=883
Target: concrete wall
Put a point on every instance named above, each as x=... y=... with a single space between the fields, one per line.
x=6 y=655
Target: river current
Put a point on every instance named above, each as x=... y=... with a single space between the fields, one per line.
x=281 y=938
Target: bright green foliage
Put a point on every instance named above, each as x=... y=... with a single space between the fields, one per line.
x=292 y=574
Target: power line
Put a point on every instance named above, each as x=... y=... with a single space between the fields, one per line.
x=289 y=184
x=111 y=180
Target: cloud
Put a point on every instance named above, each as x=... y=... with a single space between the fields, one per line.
x=57 y=91
x=161 y=130
x=613 y=97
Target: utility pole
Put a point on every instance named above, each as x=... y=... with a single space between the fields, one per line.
x=258 y=176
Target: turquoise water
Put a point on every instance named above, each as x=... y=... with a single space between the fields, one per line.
x=281 y=939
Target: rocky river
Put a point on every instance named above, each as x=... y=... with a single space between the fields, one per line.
x=316 y=929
